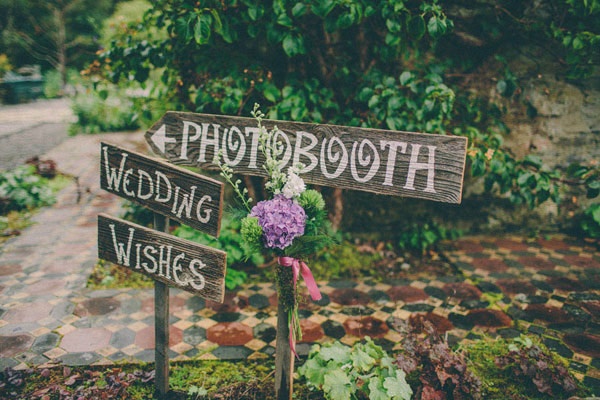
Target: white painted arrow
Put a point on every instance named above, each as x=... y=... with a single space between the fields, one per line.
x=160 y=138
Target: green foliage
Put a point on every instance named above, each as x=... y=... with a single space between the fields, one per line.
x=590 y=221
x=579 y=33
x=524 y=182
x=106 y=110
x=22 y=188
x=343 y=261
x=411 y=101
x=249 y=52
x=520 y=368
x=343 y=372
x=230 y=241
x=589 y=178
x=53 y=84
x=423 y=237
x=106 y=275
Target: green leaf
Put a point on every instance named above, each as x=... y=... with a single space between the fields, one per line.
x=394 y=123
x=524 y=178
x=532 y=160
x=183 y=29
x=255 y=12
x=361 y=360
x=293 y=44
x=271 y=93
x=336 y=352
x=405 y=77
x=218 y=25
x=322 y=8
x=338 y=386
x=416 y=27
x=393 y=26
x=314 y=372
x=376 y=389
x=578 y=43
x=284 y=20
x=202 y=29
x=299 y=9
x=436 y=26
x=373 y=101
x=397 y=387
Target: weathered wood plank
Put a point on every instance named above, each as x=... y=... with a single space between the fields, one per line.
x=172 y=191
x=387 y=162
x=180 y=263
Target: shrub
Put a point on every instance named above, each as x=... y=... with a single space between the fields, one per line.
x=103 y=111
x=22 y=189
x=343 y=372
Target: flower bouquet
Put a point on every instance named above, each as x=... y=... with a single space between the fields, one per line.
x=291 y=225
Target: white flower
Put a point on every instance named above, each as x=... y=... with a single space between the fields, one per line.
x=294 y=185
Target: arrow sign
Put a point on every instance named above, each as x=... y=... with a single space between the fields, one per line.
x=176 y=262
x=159 y=138
x=174 y=192
x=387 y=162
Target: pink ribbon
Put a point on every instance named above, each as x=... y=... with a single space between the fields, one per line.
x=299 y=267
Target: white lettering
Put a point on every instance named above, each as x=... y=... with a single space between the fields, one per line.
x=160 y=176
x=164 y=261
x=112 y=177
x=147 y=250
x=208 y=142
x=143 y=174
x=253 y=145
x=283 y=149
x=138 y=247
x=195 y=266
x=204 y=219
x=391 y=162
x=126 y=183
x=186 y=202
x=233 y=140
x=122 y=255
x=414 y=166
x=177 y=268
x=364 y=160
x=305 y=151
x=333 y=157
x=186 y=137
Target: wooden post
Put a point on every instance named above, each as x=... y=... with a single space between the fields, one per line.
x=161 y=324
x=284 y=360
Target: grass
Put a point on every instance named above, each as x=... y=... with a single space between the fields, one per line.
x=188 y=380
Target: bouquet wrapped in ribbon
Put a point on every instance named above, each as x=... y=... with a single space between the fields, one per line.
x=290 y=225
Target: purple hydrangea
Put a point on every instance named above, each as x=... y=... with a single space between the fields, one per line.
x=281 y=219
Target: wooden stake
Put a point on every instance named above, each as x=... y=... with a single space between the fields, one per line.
x=161 y=324
x=284 y=360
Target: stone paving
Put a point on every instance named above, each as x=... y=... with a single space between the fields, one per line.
x=503 y=286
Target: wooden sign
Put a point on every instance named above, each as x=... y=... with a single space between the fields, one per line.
x=396 y=163
x=174 y=192
x=176 y=262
